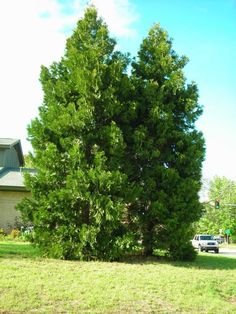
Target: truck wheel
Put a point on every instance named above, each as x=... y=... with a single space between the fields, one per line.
x=217 y=251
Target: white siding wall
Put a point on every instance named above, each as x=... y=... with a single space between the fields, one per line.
x=8 y=213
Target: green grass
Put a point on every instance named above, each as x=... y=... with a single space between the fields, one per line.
x=32 y=284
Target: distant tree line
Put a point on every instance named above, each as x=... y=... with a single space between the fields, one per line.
x=221 y=216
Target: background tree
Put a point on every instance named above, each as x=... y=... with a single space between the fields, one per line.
x=77 y=204
x=164 y=149
x=214 y=219
x=28 y=161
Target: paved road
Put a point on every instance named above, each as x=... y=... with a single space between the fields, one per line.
x=227 y=252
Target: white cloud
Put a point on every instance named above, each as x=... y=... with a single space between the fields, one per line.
x=119 y=15
x=31 y=34
x=220 y=155
x=27 y=41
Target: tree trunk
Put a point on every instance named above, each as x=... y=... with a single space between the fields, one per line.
x=86 y=214
x=148 y=240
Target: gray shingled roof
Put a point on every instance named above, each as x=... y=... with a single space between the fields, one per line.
x=13 y=179
x=8 y=142
x=12 y=142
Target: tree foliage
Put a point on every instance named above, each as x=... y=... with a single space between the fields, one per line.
x=166 y=151
x=28 y=161
x=118 y=156
x=217 y=220
x=77 y=204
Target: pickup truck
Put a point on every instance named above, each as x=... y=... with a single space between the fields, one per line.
x=205 y=242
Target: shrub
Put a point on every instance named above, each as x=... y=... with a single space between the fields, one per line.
x=185 y=252
x=2 y=232
x=15 y=233
x=27 y=233
x=233 y=238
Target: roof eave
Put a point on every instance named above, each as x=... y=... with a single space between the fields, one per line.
x=13 y=188
x=11 y=143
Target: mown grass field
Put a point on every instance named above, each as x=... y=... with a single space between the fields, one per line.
x=32 y=284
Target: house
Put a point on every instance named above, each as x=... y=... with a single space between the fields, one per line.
x=12 y=188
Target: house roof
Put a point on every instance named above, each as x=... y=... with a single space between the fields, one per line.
x=8 y=142
x=13 y=179
x=12 y=142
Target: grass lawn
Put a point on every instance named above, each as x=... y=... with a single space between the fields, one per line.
x=32 y=284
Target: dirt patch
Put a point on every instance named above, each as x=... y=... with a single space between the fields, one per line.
x=233 y=300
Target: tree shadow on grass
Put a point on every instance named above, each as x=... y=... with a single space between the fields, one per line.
x=9 y=249
x=211 y=262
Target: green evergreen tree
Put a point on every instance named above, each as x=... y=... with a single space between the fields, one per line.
x=77 y=205
x=118 y=157
x=164 y=149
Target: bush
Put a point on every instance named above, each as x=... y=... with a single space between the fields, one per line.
x=27 y=233
x=15 y=233
x=233 y=239
x=2 y=233
x=185 y=252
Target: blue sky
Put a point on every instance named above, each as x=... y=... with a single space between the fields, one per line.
x=204 y=31
x=33 y=32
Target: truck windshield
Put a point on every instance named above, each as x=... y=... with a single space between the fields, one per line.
x=206 y=237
